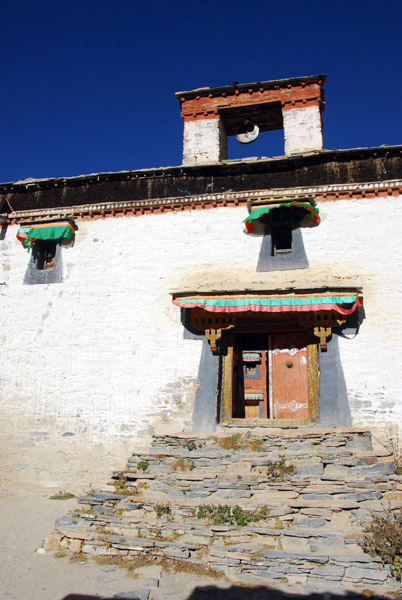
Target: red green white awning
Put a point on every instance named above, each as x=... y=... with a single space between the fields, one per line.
x=343 y=303
x=254 y=357
x=50 y=230
x=260 y=211
x=253 y=395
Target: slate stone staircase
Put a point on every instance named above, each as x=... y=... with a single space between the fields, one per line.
x=319 y=487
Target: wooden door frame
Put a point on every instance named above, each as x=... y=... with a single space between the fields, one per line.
x=228 y=392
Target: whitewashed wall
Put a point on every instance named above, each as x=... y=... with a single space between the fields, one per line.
x=302 y=129
x=102 y=355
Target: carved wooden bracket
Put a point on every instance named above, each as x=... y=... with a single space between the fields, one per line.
x=213 y=335
x=322 y=319
x=323 y=333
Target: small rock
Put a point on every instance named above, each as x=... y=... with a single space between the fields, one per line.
x=357 y=573
x=52 y=542
x=173 y=552
x=328 y=571
x=75 y=546
x=308 y=470
x=310 y=522
x=336 y=471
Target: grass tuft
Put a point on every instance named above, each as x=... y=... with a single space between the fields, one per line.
x=143 y=465
x=279 y=470
x=383 y=537
x=62 y=496
x=162 y=510
x=223 y=514
x=183 y=464
x=237 y=442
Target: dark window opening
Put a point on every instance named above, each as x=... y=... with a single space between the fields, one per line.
x=281 y=241
x=44 y=254
x=280 y=224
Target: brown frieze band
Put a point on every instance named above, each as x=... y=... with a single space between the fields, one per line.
x=328 y=193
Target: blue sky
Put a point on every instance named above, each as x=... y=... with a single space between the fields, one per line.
x=88 y=86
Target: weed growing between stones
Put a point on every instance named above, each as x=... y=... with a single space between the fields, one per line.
x=183 y=566
x=394 y=443
x=83 y=511
x=279 y=470
x=131 y=564
x=62 y=496
x=121 y=486
x=162 y=510
x=189 y=445
x=227 y=515
x=128 y=563
x=236 y=442
x=78 y=559
x=143 y=465
x=183 y=464
x=383 y=537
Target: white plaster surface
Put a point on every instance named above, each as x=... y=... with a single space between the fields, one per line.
x=102 y=355
x=303 y=130
x=204 y=141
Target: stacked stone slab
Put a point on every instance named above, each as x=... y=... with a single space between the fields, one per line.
x=315 y=512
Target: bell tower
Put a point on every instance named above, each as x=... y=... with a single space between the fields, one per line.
x=211 y=114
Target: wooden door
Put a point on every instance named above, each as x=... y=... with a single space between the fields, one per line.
x=255 y=384
x=289 y=376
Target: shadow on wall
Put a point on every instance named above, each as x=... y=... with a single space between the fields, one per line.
x=333 y=395
x=37 y=272
x=204 y=415
x=35 y=275
x=294 y=259
x=213 y=592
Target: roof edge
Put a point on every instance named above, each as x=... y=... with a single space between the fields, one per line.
x=205 y=91
x=33 y=183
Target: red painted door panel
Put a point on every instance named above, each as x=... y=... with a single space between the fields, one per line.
x=255 y=386
x=290 y=397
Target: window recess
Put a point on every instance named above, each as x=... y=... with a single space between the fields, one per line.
x=44 y=241
x=281 y=241
x=44 y=254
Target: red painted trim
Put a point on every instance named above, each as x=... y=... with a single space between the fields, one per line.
x=272 y=309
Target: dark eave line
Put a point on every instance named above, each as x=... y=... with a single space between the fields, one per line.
x=235 y=165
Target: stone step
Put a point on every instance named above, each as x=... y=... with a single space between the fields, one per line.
x=296 y=440
x=247 y=558
x=310 y=532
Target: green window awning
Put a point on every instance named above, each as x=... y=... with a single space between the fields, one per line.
x=44 y=230
x=259 y=211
